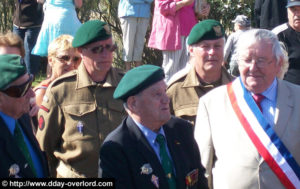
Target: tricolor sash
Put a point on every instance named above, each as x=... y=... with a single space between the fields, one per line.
x=268 y=144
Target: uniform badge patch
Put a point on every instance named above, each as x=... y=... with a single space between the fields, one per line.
x=191 y=178
x=41 y=123
x=146 y=169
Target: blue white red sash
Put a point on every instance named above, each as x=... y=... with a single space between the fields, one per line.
x=268 y=144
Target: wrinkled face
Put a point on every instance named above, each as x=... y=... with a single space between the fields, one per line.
x=294 y=17
x=208 y=55
x=257 y=66
x=19 y=105
x=152 y=105
x=9 y=50
x=98 y=56
x=64 y=61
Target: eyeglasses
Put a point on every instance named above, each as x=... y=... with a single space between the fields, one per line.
x=260 y=62
x=100 y=49
x=19 y=90
x=66 y=58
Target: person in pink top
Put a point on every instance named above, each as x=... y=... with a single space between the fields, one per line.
x=172 y=23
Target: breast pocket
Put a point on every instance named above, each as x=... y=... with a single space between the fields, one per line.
x=80 y=122
x=116 y=111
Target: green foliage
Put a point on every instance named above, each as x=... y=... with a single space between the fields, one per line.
x=226 y=11
x=107 y=10
x=6 y=15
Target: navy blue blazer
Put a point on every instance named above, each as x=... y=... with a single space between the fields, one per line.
x=11 y=156
x=127 y=156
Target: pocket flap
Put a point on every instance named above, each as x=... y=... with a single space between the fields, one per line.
x=79 y=109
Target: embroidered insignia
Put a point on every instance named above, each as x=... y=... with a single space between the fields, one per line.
x=41 y=123
x=44 y=108
x=154 y=180
x=80 y=127
x=218 y=31
x=14 y=170
x=107 y=29
x=191 y=178
x=146 y=169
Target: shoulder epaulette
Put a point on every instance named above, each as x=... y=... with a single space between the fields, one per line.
x=178 y=75
x=63 y=77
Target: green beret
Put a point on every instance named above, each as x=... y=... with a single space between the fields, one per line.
x=91 y=31
x=11 y=68
x=206 y=30
x=138 y=79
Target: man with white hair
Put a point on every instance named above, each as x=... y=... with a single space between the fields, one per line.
x=248 y=131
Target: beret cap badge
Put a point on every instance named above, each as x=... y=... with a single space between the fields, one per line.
x=107 y=29
x=218 y=31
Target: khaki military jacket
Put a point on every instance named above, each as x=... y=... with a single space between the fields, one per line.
x=75 y=117
x=185 y=89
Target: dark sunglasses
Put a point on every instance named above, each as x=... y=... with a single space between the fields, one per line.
x=66 y=58
x=100 y=49
x=19 y=90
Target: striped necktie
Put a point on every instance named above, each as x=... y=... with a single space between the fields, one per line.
x=166 y=161
x=18 y=136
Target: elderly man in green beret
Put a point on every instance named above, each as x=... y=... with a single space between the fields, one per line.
x=20 y=152
x=78 y=109
x=203 y=73
x=150 y=149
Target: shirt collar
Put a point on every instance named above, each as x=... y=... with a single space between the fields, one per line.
x=149 y=134
x=271 y=92
x=192 y=79
x=84 y=80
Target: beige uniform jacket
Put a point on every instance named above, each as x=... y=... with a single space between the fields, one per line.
x=185 y=90
x=75 y=117
x=228 y=154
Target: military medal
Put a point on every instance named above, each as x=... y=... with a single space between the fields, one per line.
x=80 y=127
x=146 y=169
x=154 y=180
x=192 y=178
x=14 y=170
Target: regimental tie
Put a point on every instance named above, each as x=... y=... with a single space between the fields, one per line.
x=258 y=98
x=18 y=136
x=166 y=161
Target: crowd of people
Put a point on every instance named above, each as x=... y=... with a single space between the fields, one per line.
x=190 y=123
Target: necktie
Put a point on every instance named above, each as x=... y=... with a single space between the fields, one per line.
x=258 y=98
x=166 y=161
x=18 y=136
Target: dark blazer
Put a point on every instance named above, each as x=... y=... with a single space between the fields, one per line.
x=10 y=154
x=126 y=151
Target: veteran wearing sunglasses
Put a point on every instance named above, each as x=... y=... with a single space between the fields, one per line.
x=78 y=110
x=20 y=154
x=62 y=58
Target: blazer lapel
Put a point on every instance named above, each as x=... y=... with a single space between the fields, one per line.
x=285 y=105
x=147 y=152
